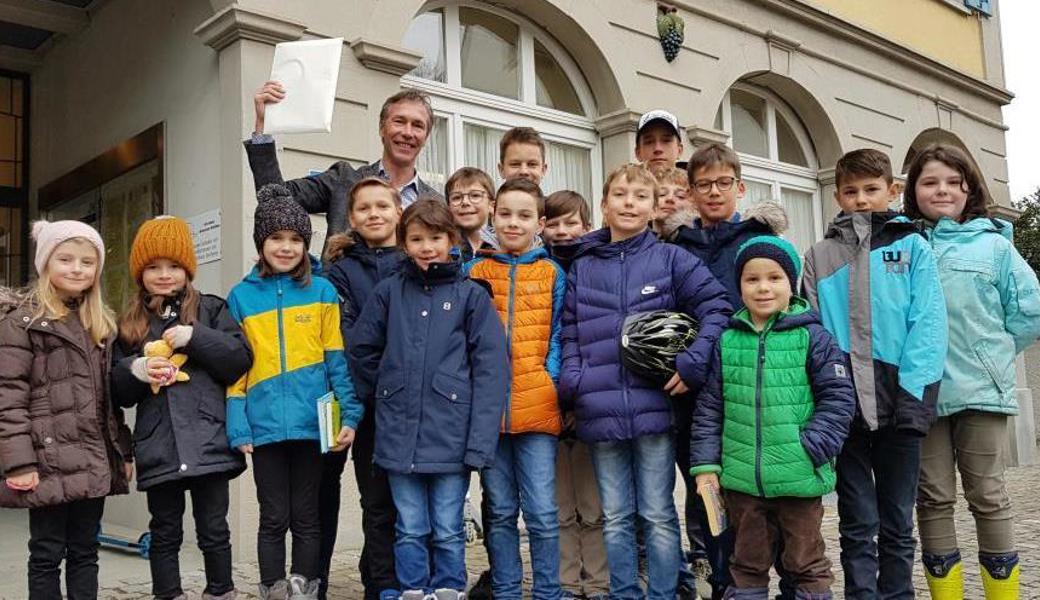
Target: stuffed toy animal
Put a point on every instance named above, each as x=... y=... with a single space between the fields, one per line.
x=161 y=349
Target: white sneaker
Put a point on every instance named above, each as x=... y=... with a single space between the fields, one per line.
x=413 y=595
x=302 y=589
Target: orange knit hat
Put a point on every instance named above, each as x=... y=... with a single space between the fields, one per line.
x=162 y=237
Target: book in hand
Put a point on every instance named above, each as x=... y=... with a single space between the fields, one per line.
x=328 y=421
x=717 y=521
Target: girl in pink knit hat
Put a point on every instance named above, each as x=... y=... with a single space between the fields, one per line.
x=63 y=446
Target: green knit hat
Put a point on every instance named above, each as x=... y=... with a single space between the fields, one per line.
x=774 y=248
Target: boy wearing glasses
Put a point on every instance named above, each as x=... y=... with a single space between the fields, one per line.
x=471 y=195
x=715 y=236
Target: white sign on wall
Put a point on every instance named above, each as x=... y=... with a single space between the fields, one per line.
x=205 y=234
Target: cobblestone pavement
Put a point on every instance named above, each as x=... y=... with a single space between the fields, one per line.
x=1023 y=485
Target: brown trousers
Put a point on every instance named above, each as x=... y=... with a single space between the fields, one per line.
x=972 y=443
x=759 y=523
x=581 y=522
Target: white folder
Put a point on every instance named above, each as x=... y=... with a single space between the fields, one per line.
x=308 y=70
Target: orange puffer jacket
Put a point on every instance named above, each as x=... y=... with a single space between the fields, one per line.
x=528 y=294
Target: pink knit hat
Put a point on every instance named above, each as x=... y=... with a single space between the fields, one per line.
x=49 y=235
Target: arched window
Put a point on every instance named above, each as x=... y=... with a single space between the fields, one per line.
x=488 y=70
x=776 y=156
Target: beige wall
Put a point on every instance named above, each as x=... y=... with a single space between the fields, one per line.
x=137 y=65
x=940 y=29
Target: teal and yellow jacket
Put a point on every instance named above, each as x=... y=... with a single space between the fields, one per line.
x=298 y=357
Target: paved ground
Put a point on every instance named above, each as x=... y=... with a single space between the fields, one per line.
x=126 y=577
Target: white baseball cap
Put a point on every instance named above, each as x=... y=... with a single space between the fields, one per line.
x=659 y=115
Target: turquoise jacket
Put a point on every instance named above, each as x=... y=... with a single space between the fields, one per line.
x=294 y=332
x=993 y=303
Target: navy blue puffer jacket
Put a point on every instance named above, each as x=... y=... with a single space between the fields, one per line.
x=429 y=347
x=606 y=283
x=355 y=274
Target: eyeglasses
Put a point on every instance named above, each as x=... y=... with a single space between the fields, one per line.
x=724 y=184
x=474 y=197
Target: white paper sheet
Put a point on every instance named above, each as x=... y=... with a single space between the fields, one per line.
x=308 y=71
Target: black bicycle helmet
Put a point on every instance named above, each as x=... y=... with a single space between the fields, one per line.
x=650 y=341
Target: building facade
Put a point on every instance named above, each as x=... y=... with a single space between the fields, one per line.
x=112 y=111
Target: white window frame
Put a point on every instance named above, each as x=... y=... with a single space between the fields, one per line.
x=771 y=171
x=460 y=105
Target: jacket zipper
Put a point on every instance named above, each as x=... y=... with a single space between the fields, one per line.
x=758 y=412
x=507 y=417
x=624 y=371
x=281 y=355
x=427 y=295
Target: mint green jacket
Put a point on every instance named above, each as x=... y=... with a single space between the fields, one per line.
x=993 y=307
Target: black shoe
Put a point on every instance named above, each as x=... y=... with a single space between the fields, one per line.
x=481 y=590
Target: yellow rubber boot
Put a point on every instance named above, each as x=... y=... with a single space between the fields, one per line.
x=949 y=585
x=1000 y=574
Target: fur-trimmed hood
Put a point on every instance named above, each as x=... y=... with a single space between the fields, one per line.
x=717 y=245
x=768 y=212
x=12 y=299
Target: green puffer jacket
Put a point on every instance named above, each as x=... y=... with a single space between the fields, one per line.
x=776 y=408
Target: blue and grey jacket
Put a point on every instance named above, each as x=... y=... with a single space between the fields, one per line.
x=874 y=281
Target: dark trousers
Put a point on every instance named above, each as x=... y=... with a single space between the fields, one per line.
x=209 y=506
x=288 y=475
x=716 y=549
x=378 y=514
x=66 y=531
x=759 y=523
x=877 y=487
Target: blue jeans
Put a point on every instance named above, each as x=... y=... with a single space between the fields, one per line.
x=429 y=517
x=523 y=476
x=877 y=486
x=638 y=477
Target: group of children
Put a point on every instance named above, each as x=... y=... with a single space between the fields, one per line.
x=481 y=333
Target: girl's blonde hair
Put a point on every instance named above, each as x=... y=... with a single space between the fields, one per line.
x=96 y=317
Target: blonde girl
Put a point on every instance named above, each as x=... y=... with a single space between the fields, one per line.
x=63 y=445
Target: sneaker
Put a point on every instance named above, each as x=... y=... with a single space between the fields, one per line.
x=278 y=590
x=389 y=595
x=302 y=589
x=225 y=596
x=481 y=590
x=702 y=572
x=447 y=594
x=413 y=595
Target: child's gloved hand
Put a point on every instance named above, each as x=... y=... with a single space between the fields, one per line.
x=155 y=370
x=178 y=336
x=26 y=482
x=344 y=439
x=706 y=481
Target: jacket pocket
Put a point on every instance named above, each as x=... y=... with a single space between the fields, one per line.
x=983 y=351
x=387 y=387
x=453 y=388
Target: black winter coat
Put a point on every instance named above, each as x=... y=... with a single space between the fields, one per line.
x=179 y=432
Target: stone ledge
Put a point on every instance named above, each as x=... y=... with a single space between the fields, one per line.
x=235 y=23
x=378 y=56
